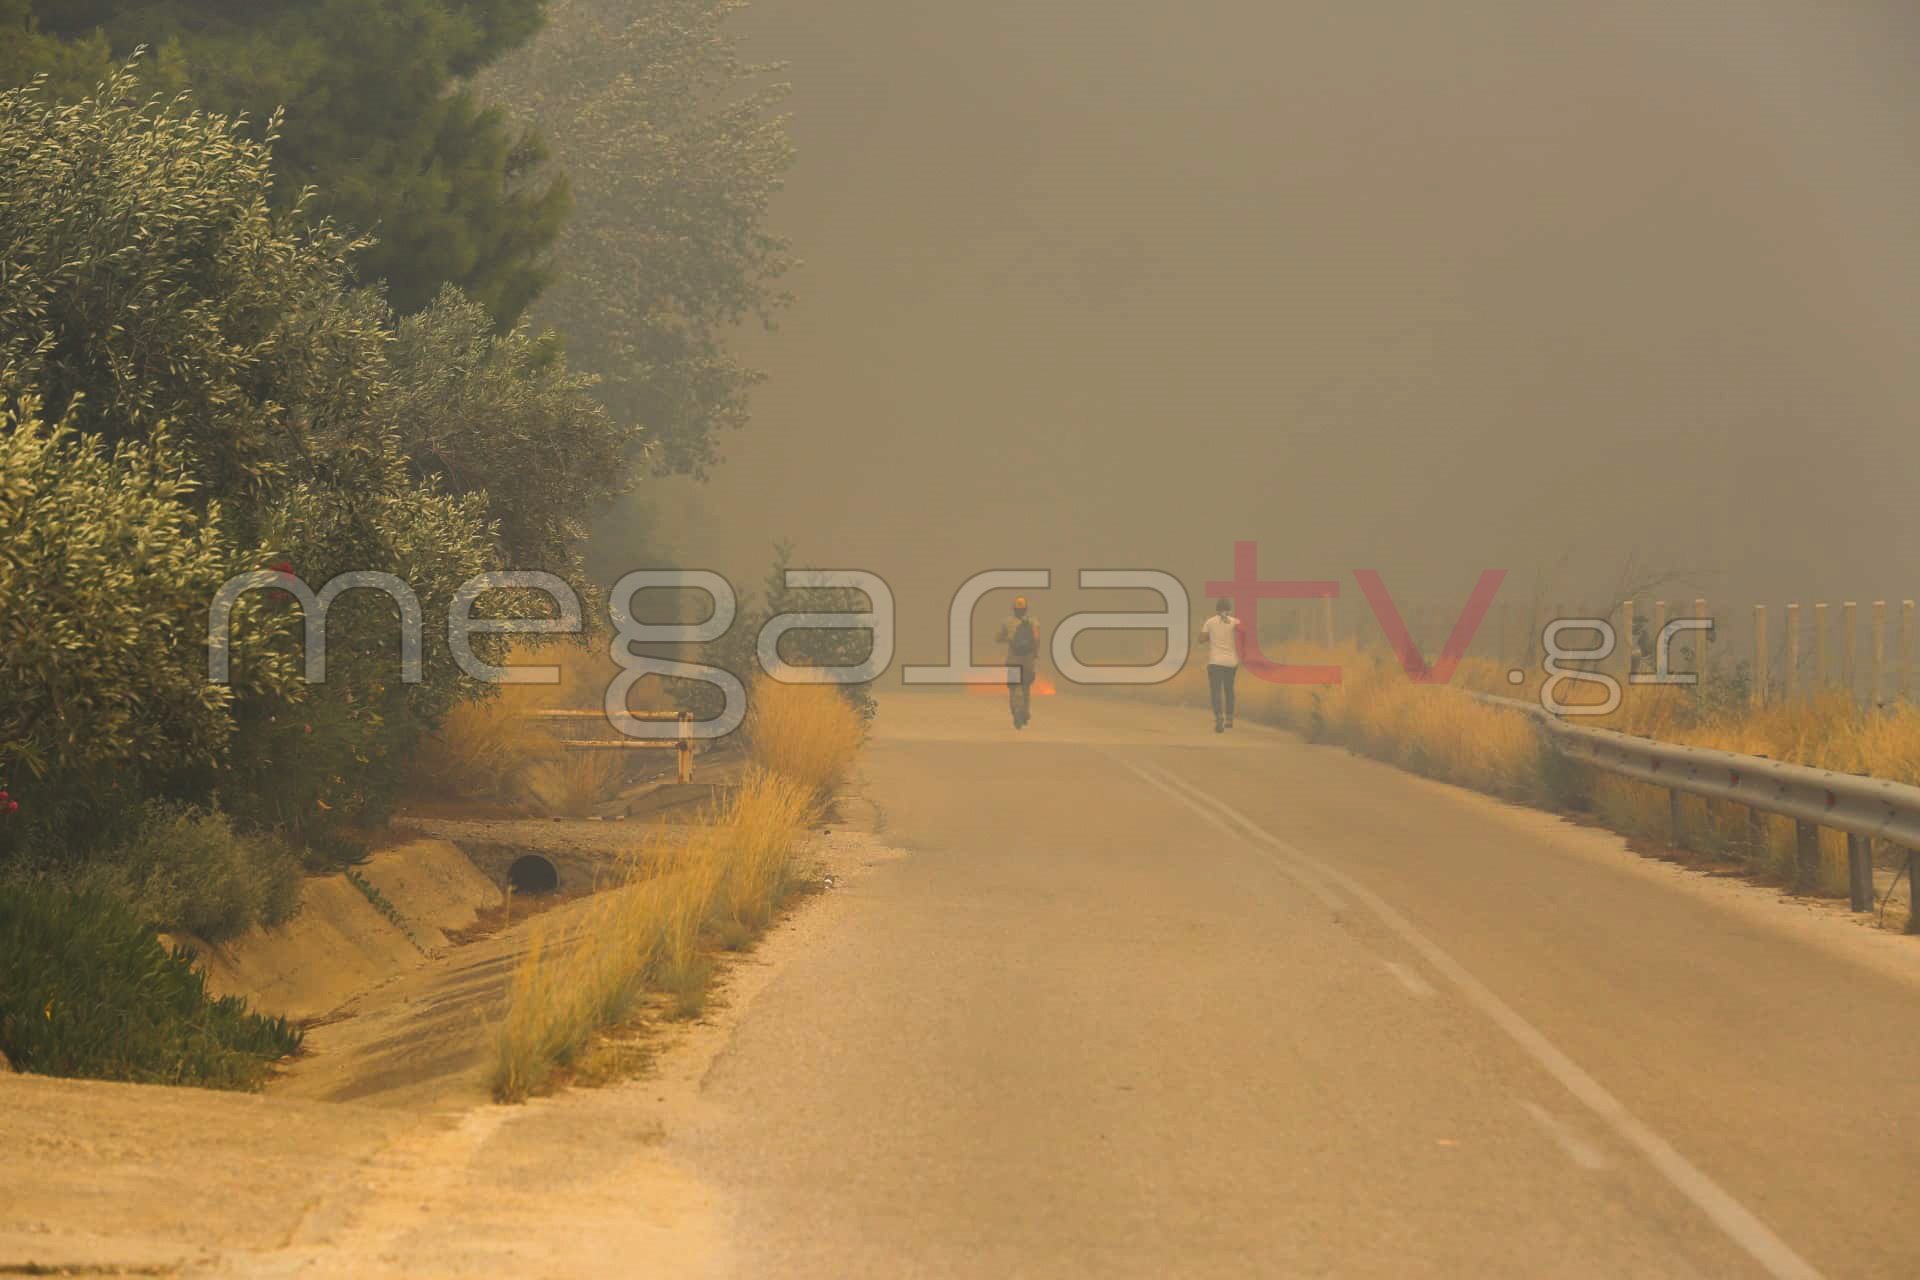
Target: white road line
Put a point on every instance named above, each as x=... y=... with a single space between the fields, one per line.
x=1413 y=982
x=1582 y=1153
x=1739 y=1223
x=1305 y=874
x=1307 y=882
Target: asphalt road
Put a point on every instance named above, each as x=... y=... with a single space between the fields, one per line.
x=1144 y=1001
x=1111 y=997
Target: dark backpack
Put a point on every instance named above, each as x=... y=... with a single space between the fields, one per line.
x=1025 y=641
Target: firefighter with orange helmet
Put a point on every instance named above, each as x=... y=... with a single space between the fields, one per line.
x=1021 y=635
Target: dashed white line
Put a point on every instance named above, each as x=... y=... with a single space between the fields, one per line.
x=1774 y=1255
x=1412 y=981
x=1581 y=1152
x=1306 y=881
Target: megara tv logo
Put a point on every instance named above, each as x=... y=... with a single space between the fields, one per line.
x=1245 y=590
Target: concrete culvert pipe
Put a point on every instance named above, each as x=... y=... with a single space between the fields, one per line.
x=533 y=874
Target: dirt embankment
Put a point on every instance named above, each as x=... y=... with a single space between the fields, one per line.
x=354 y=931
x=379 y=1152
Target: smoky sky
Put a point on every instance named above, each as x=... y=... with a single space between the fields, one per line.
x=1427 y=287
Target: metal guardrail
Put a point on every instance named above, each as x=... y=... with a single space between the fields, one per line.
x=682 y=744
x=1865 y=808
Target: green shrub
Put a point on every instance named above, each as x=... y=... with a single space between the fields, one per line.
x=179 y=869
x=187 y=870
x=106 y=570
x=86 y=989
x=192 y=386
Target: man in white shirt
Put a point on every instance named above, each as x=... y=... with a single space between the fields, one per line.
x=1221 y=633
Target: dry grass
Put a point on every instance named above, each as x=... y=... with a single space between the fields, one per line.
x=1435 y=731
x=489 y=751
x=1376 y=709
x=570 y=786
x=683 y=894
x=480 y=749
x=806 y=732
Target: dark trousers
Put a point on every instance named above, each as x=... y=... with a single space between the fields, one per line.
x=1220 y=689
x=1020 y=688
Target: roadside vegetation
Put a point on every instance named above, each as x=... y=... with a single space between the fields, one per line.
x=86 y=989
x=806 y=732
x=262 y=282
x=1436 y=731
x=680 y=899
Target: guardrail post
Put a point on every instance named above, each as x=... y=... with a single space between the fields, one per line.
x=1757 y=834
x=1913 y=895
x=1819 y=647
x=1879 y=651
x=1846 y=647
x=1793 y=651
x=1760 y=672
x=1806 y=857
x=1859 y=872
x=1677 y=836
x=686 y=746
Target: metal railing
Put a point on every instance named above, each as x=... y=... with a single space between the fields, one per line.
x=683 y=744
x=1864 y=808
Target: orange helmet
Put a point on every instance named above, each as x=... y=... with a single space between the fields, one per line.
x=1019 y=602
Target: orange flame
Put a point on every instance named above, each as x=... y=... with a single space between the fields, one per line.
x=1042 y=687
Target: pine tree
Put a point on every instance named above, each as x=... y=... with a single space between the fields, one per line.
x=377 y=118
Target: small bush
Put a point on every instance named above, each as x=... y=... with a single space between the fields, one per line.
x=187 y=870
x=572 y=785
x=86 y=989
x=806 y=732
x=480 y=751
x=715 y=885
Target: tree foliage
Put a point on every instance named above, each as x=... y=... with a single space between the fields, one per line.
x=227 y=402
x=502 y=415
x=103 y=567
x=378 y=118
x=676 y=148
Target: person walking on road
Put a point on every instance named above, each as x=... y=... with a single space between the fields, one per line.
x=1021 y=635
x=1221 y=634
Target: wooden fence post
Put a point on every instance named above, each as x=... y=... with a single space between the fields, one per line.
x=1760 y=655
x=1906 y=650
x=1879 y=651
x=1700 y=640
x=1846 y=647
x=1819 y=648
x=1793 y=651
x=1625 y=641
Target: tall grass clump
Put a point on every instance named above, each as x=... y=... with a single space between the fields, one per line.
x=806 y=732
x=1378 y=710
x=490 y=750
x=682 y=895
x=87 y=989
x=1440 y=732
